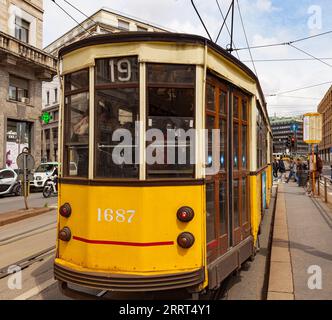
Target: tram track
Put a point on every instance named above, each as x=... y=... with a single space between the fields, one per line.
x=26 y=262
x=29 y=233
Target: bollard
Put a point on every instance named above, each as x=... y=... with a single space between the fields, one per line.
x=325 y=189
x=331 y=171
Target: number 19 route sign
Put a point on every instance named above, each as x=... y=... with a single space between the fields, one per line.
x=312 y=128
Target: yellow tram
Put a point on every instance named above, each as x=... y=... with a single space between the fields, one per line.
x=143 y=225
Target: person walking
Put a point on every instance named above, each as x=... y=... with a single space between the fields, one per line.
x=292 y=171
x=275 y=169
x=282 y=169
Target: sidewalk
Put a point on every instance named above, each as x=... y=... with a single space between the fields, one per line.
x=302 y=239
x=18 y=215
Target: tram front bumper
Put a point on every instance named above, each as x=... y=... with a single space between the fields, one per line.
x=128 y=282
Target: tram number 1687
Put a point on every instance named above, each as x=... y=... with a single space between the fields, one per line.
x=118 y=215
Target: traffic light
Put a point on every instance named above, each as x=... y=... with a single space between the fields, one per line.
x=288 y=142
x=293 y=142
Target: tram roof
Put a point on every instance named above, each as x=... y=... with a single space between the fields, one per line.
x=160 y=37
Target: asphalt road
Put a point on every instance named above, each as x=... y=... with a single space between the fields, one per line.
x=35 y=200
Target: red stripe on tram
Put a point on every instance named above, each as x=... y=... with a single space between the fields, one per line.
x=123 y=243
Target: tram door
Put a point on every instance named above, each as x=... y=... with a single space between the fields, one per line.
x=227 y=192
x=217 y=211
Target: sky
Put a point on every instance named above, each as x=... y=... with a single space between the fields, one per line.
x=265 y=22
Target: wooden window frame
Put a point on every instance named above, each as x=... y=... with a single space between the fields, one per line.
x=66 y=145
x=219 y=245
x=169 y=85
x=110 y=86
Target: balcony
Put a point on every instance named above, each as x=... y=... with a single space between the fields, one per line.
x=13 y=51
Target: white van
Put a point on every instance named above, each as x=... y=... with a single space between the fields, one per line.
x=42 y=174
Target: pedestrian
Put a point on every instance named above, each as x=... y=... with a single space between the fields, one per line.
x=292 y=171
x=300 y=168
x=275 y=168
x=319 y=164
x=281 y=168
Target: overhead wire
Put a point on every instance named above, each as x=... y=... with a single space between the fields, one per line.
x=286 y=43
x=222 y=26
x=245 y=34
x=80 y=11
x=229 y=33
x=295 y=97
x=200 y=18
x=299 y=89
x=310 y=55
x=285 y=60
x=68 y=14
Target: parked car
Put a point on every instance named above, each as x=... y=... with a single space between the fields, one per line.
x=9 y=183
x=73 y=168
x=43 y=174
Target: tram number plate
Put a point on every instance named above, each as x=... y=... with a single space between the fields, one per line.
x=118 y=215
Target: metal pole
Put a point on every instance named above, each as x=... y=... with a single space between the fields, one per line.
x=325 y=189
x=232 y=30
x=25 y=183
x=313 y=167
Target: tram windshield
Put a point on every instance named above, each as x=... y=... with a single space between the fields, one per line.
x=170 y=120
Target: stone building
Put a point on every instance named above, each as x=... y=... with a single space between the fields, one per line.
x=103 y=21
x=325 y=108
x=23 y=68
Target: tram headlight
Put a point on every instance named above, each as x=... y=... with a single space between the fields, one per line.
x=65 y=210
x=186 y=240
x=65 y=234
x=185 y=214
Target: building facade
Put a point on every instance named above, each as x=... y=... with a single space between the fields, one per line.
x=23 y=68
x=325 y=108
x=282 y=129
x=103 y=21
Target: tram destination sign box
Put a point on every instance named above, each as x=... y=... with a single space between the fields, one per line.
x=312 y=128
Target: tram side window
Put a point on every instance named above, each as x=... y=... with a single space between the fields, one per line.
x=210 y=212
x=170 y=110
x=76 y=138
x=116 y=111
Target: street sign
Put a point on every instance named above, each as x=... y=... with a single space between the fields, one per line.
x=30 y=161
x=312 y=128
x=25 y=163
x=294 y=127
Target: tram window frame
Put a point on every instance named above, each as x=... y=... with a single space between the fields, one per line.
x=152 y=84
x=219 y=245
x=69 y=92
x=114 y=80
x=241 y=171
